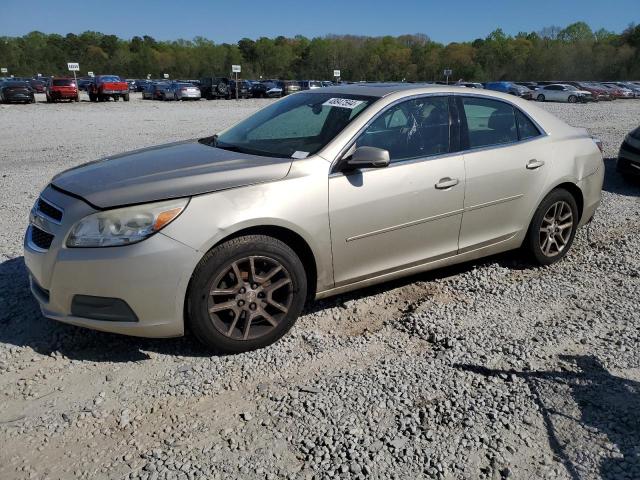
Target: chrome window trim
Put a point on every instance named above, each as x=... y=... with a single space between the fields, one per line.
x=50 y=203
x=350 y=142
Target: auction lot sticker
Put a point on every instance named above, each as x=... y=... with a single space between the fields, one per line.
x=343 y=103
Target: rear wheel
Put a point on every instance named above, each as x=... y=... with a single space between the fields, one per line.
x=246 y=293
x=126 y=97
x=553 y=227
x=540 y=98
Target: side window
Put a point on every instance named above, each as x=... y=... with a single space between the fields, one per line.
x=526 y=128
x=489 y=122
x=413 y=129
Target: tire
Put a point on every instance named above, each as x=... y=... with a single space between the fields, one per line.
x=558 y=209
x=48 y=99
x=572 y=99
x=126 y=97
x=226 y=328
x=222 y=89
x=540 y=98
x=77 y=98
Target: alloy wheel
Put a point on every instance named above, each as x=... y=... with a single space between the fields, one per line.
x=556 y=229
x=250 y=297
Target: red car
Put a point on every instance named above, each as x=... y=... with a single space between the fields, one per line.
x=62 y=89
x=104 y=87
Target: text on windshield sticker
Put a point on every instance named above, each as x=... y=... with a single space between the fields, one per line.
x=343 y=103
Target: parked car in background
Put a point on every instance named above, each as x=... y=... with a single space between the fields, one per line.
x=158 y=240
x=619 y=91
x=132 y=84
x=182 y=91
x=559 y=92
x=37 y=85
x=629 y=155
x=104 y=87
x=142 y=84
x=530 y=85
x=327 y=83
x=62 y=89
x=469 y=84
x=16 y=91
x=83 y=83
x=597 y=90
x=155 y=91
x=214 y=87
x=244 y=89
x=309 y=84
x=635 y=88
x=273 y=90
x=258 y=89
x=510 y=88
x=289 y=86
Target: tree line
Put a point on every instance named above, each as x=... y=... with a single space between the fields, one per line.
x=575 y=52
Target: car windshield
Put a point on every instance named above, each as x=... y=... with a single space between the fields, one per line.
x=110 y=78
x=62 y=82
x=297 y=126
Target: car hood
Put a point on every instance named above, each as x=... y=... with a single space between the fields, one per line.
x=168 y=171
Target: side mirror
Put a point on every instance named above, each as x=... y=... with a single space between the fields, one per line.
x=368 y=157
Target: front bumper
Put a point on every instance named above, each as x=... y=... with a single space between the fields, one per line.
x=629 y=158
x=150 y=277
x=62 y=95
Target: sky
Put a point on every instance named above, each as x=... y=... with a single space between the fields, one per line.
x=230 y=20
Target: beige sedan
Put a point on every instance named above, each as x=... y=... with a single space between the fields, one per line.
x=322 y=192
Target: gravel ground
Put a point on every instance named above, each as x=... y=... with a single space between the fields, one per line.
x=492 y=369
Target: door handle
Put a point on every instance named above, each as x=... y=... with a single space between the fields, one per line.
x=533 y=164
x=446 y=182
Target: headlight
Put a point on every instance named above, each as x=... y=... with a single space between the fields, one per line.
x=123 y=226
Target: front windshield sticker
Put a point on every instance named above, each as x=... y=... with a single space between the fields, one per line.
x=343 y=103
x=299 y=154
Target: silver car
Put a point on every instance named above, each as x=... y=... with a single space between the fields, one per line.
x=319 y=193
x=184 y=91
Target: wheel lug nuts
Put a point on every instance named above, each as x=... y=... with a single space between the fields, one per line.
x=254 y=285
x=252 y=306
x=242 y=290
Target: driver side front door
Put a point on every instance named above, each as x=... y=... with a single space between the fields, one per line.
x=407 y=214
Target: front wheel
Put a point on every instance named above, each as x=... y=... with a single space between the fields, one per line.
x=553 y=227
x=126 y=97
x=246 y=293
x=573 y=99
x=540 y=98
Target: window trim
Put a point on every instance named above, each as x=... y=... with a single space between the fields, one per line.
x=455 y=119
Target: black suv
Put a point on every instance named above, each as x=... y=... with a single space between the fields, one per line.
x=215 y=87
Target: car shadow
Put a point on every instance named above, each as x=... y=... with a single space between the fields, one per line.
x=607 y=404
x=614 y=182
x=22 y=325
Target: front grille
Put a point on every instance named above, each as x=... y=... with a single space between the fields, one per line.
x=49 y=210
x=40 y=238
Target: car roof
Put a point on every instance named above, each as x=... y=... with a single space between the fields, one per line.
x=377 y=89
